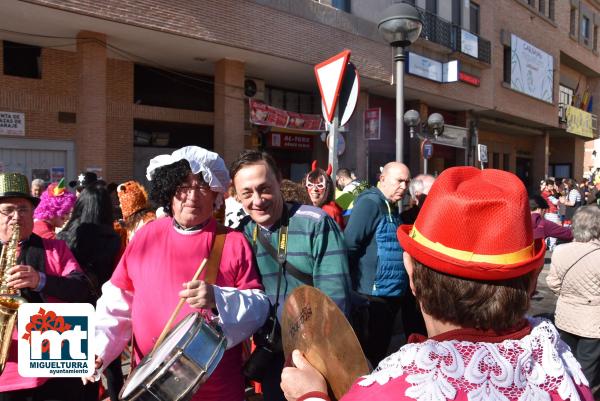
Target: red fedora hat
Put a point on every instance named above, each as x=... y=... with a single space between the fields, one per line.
x=475 y=224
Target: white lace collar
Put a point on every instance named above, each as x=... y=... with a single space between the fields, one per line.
x=524 y=370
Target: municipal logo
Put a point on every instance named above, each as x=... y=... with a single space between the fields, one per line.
x=56 y=340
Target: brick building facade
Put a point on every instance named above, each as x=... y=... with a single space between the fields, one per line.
x=88 y=108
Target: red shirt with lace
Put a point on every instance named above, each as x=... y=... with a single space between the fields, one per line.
x=529 y=363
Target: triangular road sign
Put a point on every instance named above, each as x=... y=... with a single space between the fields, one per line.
x=329 y=75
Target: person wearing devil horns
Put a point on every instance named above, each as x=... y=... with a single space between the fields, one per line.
x=474 y=291
x=320 y=188
x=294 y=245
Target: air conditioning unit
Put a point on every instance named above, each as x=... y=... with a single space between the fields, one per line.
x=254 y=88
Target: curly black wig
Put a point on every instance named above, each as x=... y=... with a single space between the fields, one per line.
x=165 y=182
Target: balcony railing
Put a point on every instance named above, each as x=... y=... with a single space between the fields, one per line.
x=578 y=122
x=440 y=31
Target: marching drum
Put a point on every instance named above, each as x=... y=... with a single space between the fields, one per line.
x=179 y=365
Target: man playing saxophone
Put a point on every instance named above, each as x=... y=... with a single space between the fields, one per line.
x=44 y=271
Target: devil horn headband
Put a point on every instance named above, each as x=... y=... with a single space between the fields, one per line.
x=314 y=166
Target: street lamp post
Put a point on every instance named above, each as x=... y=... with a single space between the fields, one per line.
x=435 y=125
x=400 y=26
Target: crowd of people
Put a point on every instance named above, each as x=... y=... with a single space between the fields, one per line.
x=443 y=267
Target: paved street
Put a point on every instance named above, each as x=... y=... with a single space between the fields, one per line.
x=544 y=301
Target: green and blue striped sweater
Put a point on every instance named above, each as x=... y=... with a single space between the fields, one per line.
x=315 y=246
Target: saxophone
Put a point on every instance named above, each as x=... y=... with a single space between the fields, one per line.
x=10 y=298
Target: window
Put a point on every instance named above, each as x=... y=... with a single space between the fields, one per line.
x=531 y=3
x=595 y=37
x=431 y=6
x=585 y=29
x=343 y=5
x=542 y=7
x=495 y=160
x=456 y=12
x=507 y=64
x=573 y=22
x=298 y=102
x=21 y=60
x=506 y=161
x=474 y=17
x=550 y=13
x=158 y=87
x=565 y=98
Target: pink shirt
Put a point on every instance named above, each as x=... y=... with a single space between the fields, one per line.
x=157 y=261
x=44 y=229
x=59 y=262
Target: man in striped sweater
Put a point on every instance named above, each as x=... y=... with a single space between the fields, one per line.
x=314 y=250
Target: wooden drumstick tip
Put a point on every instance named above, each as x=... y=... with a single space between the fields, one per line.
x=177 y=309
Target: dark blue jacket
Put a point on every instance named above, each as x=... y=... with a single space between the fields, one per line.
x=374 y=254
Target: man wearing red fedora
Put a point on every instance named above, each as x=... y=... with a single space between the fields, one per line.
x=472 y=263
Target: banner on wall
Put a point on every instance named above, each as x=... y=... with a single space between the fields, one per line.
x=263 y=114
x=532 y=70
x=579 y=122
x=12 y=123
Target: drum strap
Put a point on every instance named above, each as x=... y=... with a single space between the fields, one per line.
x=212 y=269
x=214 y=260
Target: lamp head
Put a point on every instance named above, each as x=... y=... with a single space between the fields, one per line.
x=412 y=118
x=436 y=123
x=400 y=25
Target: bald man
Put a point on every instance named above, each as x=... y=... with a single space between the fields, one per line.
x=375 y=259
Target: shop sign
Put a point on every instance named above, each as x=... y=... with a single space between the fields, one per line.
x=290 y=141
x=434 y=70
x=469 y=43
x=532 y=71
x=579 y=122
x=373 y=124
x=469 y=79
x=12 y=123
x=263 y=114
x=482 y=153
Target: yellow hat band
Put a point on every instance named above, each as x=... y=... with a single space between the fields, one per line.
x=466 y=256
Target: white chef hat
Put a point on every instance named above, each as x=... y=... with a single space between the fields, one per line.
x=210 y=164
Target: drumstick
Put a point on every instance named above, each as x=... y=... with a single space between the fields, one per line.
x=177 y=309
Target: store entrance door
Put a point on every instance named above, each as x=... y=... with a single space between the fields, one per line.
x=523 y=171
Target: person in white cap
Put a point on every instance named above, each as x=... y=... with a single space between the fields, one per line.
x=161 y=260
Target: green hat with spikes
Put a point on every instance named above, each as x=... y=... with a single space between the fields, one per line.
x=16 y=185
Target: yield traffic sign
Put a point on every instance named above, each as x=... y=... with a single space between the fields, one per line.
x=329 y=75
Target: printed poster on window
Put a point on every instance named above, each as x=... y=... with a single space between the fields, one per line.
x=41 y=173
x=56 y=173
x=12 y=123
x=373 y=124
x=532 y=70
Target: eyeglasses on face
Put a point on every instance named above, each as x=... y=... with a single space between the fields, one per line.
x=188 y=189
x=10 y=211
